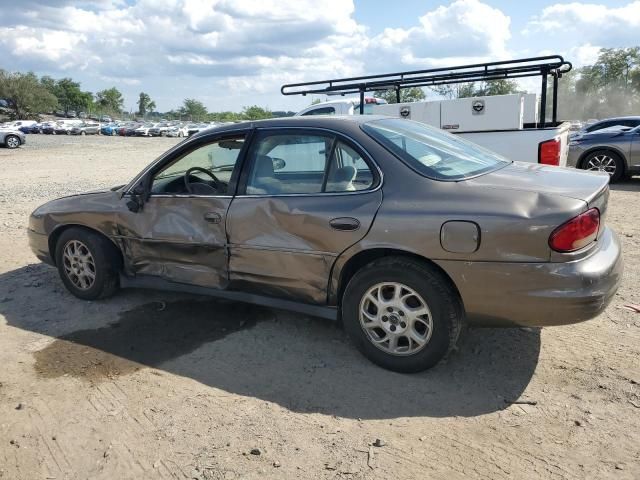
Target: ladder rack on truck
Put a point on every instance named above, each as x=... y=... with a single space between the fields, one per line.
x=545 y=66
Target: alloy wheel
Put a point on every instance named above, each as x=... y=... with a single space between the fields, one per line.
x=602 y=163
x=79 y=265
x=396 y=318
x=12 y=142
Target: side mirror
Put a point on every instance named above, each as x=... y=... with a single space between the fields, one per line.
x=137 y=198
x=133 y=205
x=279 y=164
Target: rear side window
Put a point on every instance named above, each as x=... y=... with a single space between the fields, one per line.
x=431 y=152
x=321 y=111
x=282 y=164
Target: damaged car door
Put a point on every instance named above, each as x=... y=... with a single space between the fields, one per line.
x=179 y=234
x=305 y=196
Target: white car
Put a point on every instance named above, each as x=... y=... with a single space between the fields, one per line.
x=177 y=131
x=15 y=125
x=143 y=130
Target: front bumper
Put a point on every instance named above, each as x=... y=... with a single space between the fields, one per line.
x=39 y=244
x=539 y=294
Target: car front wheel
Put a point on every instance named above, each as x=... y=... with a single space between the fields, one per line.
x=605 y=161
x=88 y=264
x=12 y=141
x=403 y=315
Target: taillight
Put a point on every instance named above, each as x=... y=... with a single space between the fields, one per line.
x=549 y=152
x=577 y=232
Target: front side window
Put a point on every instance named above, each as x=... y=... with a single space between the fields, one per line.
x=204 y=171
x=305 y=164
x=431 y=152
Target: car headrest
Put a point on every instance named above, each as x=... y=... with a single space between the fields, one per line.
x=264 y=167
x=346 y=174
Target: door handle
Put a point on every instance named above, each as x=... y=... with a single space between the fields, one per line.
x=212 y=217
x=344 y=223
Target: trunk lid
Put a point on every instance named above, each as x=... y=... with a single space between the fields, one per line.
x=590 y=187
x=565 y=182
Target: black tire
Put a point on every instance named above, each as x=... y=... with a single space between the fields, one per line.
x=83 y=133
x=446 y=309
x=106 y=261
x=619 y=172
x=12 y=141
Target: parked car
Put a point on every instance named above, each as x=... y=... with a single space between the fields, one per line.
x=72 y=114
x=37 y=128
x=12 y=137
x=614 y=150
x=575 y=126
x=18 y=124
x=85 y=129
x=402 y=231
x=63 y=128
x=106 y=118
x=159 y=130
x=128 y=129
x=110 y=129
x=630 y=121
x=49 y=128
x=143 y=130
x=194 y=128
x=177 y=131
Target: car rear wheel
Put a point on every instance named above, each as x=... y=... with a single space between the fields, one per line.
x=605 y=161
x=88 y=264
x=83 y=133
x=401 y=314
x=12 y=141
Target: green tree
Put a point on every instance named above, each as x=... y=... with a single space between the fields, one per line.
x=609 y=87
x=477 y=89
x=145 y=104
x=413 y=94
x=25 y=95
x=194 y=109
x=255 y=113
x=69 y=94
x=110 y=100
x=224 y=116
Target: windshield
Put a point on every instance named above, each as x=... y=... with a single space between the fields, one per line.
x=431 y=152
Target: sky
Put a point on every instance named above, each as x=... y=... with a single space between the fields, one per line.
x=235 y=53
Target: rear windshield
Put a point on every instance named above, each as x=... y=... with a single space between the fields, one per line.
x=432 y=152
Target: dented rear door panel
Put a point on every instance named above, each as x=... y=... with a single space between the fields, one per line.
x=285 y=246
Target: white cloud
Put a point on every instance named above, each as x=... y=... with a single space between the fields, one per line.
x=589 y=22
x=245 y=49
x=464 y=29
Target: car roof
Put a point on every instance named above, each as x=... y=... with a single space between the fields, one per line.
x=337 y=122
x=628 y=117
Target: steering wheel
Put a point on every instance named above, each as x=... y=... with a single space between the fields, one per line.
x=188 y=184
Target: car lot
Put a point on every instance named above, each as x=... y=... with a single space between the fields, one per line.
x=150 y=384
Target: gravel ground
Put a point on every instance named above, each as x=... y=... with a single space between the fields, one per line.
x=156 y=385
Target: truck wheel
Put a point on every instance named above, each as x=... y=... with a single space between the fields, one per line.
x=604 y=161
x=12 y=141
x=401 y=314
x=88 y=264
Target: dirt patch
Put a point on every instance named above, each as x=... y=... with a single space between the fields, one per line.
x=147 y=335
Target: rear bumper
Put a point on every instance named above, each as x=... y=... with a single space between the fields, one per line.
x=539 y=294
x=39 y=244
